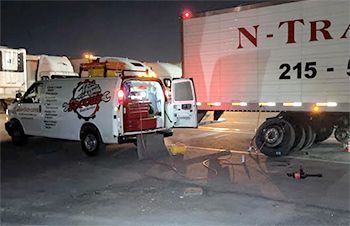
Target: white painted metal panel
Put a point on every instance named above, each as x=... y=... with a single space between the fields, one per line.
x=224 y=73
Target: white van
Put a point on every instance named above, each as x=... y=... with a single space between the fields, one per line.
x=101 y=110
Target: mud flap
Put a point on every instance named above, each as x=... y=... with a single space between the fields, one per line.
x=151 y=146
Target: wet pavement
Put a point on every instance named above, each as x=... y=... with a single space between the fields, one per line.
x=52 y=182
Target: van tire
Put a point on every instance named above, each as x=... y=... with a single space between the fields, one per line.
x=17 y=134
x=90 y=140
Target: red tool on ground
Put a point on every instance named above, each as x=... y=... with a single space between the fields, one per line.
x=300 y=174
x=347 y=147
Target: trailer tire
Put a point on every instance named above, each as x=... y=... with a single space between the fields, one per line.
x=91 y=141
x=300 y=137
x=275 y=137
x=323 y=133
x=342 y=135
x=310 y=136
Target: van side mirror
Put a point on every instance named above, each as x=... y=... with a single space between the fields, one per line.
x=18 y=97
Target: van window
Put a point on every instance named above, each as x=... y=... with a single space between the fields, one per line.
x=33 y=94
x=183 y=91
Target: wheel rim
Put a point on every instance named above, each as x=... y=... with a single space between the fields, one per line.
x=341 y=135
x=90 y=142
x=273 y=136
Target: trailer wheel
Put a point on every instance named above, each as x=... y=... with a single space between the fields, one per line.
x=310 y=136
x=275 y=137
x=323 y=133
x=342 y=135
x=90 y=140
x=300 y=137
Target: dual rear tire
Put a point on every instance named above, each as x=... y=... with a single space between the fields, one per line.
x=275 y=137
x=288 y=133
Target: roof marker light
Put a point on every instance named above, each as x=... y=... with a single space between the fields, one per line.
x=89 y=56
x=293 y=104
x=243 y=104
x=269 y=104
x=186 y=14
x=328 y=104
x=214 y=104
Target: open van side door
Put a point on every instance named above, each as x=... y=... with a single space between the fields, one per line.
x=183 y=103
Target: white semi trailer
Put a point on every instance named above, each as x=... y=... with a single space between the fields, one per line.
x=13 y=73
x=291 y=57
x=19 y=70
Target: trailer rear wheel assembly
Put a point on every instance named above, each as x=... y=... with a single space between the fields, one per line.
x=323 y=133
x=300 y=137
x=275 y=137
x=310 y=136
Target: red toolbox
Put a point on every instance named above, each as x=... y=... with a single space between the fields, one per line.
x=136 y=116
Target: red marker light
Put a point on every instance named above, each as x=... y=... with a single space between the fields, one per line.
x=120 y=97
x=186 y=14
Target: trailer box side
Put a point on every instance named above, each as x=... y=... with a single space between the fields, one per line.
x=285 y=57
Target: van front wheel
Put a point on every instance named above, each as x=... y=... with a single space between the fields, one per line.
x=17 y=134
x=90 y=142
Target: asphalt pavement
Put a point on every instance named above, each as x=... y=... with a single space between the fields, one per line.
x=216 y=182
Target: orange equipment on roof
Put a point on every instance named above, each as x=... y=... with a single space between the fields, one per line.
x=102 y=69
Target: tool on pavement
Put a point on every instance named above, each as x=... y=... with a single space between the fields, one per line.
x=300 y=174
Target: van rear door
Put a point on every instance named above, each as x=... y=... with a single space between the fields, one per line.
x=184 y=103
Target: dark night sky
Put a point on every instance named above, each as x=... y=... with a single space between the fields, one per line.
x=139 y=30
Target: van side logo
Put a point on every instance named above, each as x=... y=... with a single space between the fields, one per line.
x=86 y=100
